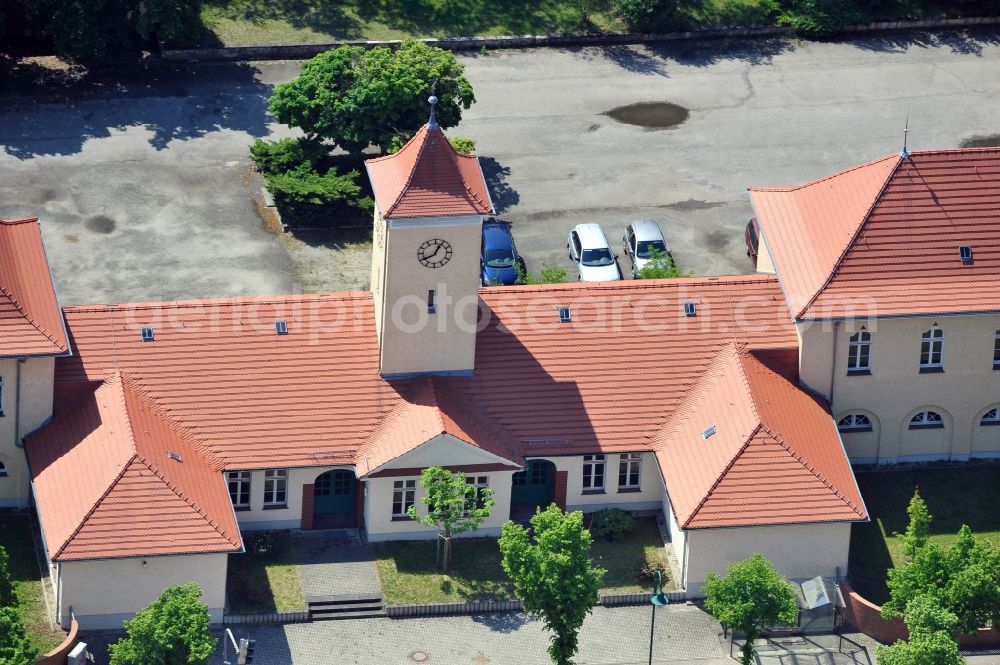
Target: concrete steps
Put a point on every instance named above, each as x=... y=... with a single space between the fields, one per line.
x=334 y=608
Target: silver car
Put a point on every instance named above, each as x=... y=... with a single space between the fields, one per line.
x=590 y=250
x=642 y=238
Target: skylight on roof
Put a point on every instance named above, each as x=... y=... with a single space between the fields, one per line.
x=147 y=334
x=564 y=315
x=281 y=327
x=174 y=456
x=689 y=308
x=965 y=253
x=709 y=432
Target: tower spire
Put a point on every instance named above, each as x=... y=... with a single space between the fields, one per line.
x=432 y=123
x=906 y=133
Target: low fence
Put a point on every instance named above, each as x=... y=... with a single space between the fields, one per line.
x=866 y=617
x=496 y=606
x=302 y=51
x=58 y=655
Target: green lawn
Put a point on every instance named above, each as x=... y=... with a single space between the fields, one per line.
x=954 y=497
x=409 y=572
x=15 y=536
x=259 y=583
x=243 y=22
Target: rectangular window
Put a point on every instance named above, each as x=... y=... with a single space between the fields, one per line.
x=403 y=493
x=593 y=473
x=859 y=353
x=932 y=349
x=1 y=388
x=276 y=487
x=239 y=488
x=481 y=483
x=431 y=307
x=629 y=466
x=996 y=356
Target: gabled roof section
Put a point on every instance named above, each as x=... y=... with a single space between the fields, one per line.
x=31 y=323
x=428 y=178
x=749 y=448
x=428 y=408
x=883 y=239
x=115 y=477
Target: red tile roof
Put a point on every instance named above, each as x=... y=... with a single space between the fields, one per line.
x=428 y=178
x=883 y=239
x=115 y=477
x=774 y=457
x=428 y=408
x=30 y=321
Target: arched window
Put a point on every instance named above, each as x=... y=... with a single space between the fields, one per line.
x=932 y=349
x=859 y=352
x=927 y=420
x=3 y=469
x=991 y=417
x=855 y=422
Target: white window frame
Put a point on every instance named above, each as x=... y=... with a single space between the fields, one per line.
x=923 y=420
x=859 y=352
x=592 y=480
x=404 y=493
x=241 y=478
x=276 y=488
x=934 y=339
x=991 y=417
x=852 y=423
x=629 y=465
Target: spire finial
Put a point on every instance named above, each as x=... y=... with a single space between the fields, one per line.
x=432 y=123
x=906 y=133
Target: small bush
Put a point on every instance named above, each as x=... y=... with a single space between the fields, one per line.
x=822 y=16
x=660 y=266
x=650 y=15
x=259 y=543
x=742 y=12
x=462 y=145
x=548 y=274
x=305 y=195
x=650 y=562
x=610 y=524
x=274 y=157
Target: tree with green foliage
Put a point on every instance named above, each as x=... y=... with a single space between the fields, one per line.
x=454 y=505
x=173 y=630
x=8 y=596
x=963 y=579
x=354 y=97
x=553 y=574
x=547 y=274
x=931 y=640
x=918 y=529
x=660 y=265
x=15 y=647
x=749 y=598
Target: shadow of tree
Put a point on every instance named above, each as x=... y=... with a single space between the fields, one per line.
x=966 y=42
x=496 y=174
x=655 y=59
x=507 y=622
x=173 y=103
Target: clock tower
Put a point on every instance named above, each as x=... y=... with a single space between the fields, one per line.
x=429 y=206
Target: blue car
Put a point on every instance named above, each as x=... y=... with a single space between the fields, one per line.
x=499 y=259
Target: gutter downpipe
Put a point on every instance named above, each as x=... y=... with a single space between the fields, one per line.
x=17 y=404
x=833 y=363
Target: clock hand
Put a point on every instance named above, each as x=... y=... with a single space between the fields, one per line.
x=437 y=248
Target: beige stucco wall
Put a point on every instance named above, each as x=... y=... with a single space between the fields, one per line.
x=896 y=389
x=765 y=263
x=650 y=482
x=798 y=551
x=411 y=340
x=104 y=593
x=37 y=376
x=290 y=517
x=816 y=340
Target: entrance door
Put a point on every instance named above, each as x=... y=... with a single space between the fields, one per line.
x=333 y=498
x=533 y=486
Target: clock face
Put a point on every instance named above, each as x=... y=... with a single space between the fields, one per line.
x=434 y=253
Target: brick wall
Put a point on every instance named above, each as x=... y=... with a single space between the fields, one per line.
x=359 y=504
x=307 y=506
x=58 y=655
x=559 y=489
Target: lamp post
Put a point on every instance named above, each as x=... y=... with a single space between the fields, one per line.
x=658 y=599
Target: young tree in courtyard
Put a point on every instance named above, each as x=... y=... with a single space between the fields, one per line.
x=355 y=97
x=15 y=648
x=173 y=630
x=750 y=597
x=660 y=266
x=931 y=640
x=7 y=595
x=918 y=529
x=553 y=574
x=454 y=505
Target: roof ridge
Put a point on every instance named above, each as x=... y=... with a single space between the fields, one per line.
x=22 y=220
x=94 y=507
x=183 y=497
x=438 y=411
x=746 y=383
x=416 y=163
x=637 y=284
x=722 y=474
x=816 y=472
x=810 y=183
x=854 y=237
x=227 y=301
x=24 y=313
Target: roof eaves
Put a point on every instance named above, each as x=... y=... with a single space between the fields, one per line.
x=27 y=317
x=857 y=232
x=68 y=350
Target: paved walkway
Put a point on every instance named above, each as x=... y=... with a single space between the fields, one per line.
x=335 y=563
x=685 y=635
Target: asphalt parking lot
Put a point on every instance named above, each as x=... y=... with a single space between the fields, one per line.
x=140 y=183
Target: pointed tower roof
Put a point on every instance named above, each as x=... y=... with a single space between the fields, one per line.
x=748 y=448
x=428 y=178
